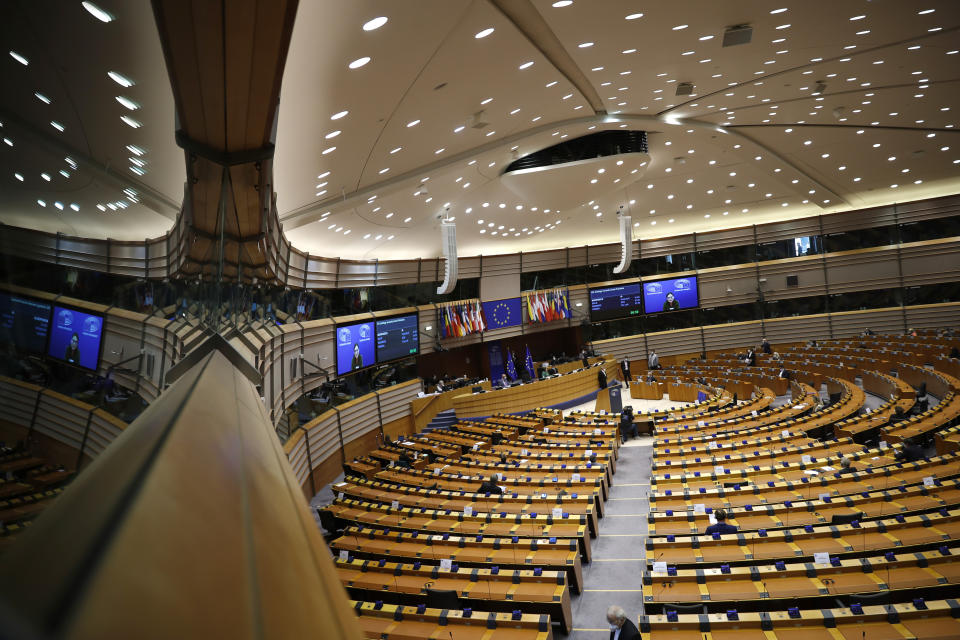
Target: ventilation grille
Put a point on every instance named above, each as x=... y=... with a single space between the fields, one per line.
x=740 y=34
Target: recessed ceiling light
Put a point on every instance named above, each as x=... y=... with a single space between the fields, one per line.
x=19 y=58
x=137 y=170
x=97 y=12
x=328 y=150
x=783 y=26
x=486 y=101
x=58 y=205
x=323 y=175
x=633 y=16
x=779 y=10
x=332 y=134
x=584 y=45
x=120 y=79
x=526 y=65
x=131 y=122
x=384 y=170
x=128 y=103
x=855 y=18
x=42 y=98
x=18 y=177
x=925 y=12
x=484 y=33
x=680 y=26
x=359 y=62
x=56 y=125
x=705 y=38
x=74 y=205
x=339 y=115
x=413 y=123
x=562 y=3
x=439 y=151
x=376 y=23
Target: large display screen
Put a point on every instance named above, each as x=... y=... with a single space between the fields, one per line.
x=611 y=303
x=24 y=322
x=75 y=337
x=670 y=295
x=398 y=337
x=356 y=347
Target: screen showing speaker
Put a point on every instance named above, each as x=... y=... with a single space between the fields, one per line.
x=620 y=301
x=674 y=294
x=398 y=337
x=356 y=347
x=76 y=337
x=24 y=322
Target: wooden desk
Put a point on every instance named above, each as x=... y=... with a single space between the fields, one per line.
x=383 y=624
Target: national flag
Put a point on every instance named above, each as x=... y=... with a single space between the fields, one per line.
x=511 y=368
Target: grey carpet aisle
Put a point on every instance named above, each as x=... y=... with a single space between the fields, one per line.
x=613 y=577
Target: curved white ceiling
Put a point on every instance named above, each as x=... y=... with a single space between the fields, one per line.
x=754 y=143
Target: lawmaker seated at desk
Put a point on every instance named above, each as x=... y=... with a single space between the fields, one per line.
x=489 y=486
x=721 y=526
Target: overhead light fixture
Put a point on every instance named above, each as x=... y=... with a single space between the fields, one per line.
x=359 y=62
x=128 y=103
x=376 y=23
x=484 y=33
x=120 y=79
x=97 y=12
x=19 y=58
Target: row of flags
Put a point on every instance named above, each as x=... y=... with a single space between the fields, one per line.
x=459 y=319
x=512 y=368
x=547 y=306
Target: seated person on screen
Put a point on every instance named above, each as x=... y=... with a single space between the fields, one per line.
x=489 y=486
x=357 y=362
x=73 y=349
x=721 y=527
x=671 y=303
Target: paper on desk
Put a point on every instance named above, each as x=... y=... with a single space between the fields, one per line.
x=395 y=504
x=658 y=567
x=589 y=452
x=446 y=564
x=344 y=555
x=828 y=468
x=805 y=459
x=823 y=496
x=811 y=472
x=575 y=477
x=785 y=433
x=928 y=481
x=821 y=557
x=699 y=508
x=468 y=511
x=557 y=513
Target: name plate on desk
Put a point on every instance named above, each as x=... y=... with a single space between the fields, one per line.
x=575 y=477
x=344 y=555
x=805 y=459
x=718 y=469
x=446 y=564
x=883 y=444
x=468 y=511
x=785 y=433
x=821 y=557
x=658 y=567
x=699 y=508
x=928 y=481
x=395 y=504
x=557 y=513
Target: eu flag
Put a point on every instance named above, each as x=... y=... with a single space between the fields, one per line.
x=503 y=313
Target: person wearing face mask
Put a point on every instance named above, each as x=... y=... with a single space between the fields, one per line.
x=621 y=628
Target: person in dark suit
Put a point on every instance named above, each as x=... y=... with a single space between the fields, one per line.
x=490 y=486
x=765 y=346
x=751 y=359
x=602 y=378
x=625 y=368
x=621 y=627
x=357 y=362
x=721 y=527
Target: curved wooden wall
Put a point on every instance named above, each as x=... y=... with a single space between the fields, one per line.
x=166 y=256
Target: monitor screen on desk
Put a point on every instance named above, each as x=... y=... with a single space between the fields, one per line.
x=619 y=301
x=674 y=294
x=76 y=337
x=24 y=322
x=356 y=347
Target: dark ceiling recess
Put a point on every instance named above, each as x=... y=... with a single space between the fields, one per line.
x=595 y=145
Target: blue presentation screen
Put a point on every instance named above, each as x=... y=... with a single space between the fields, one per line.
x=24 y=322
x=75 y=337
x=356 y=347
x=398 y=337
x=670 y=295
x=621 y=301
